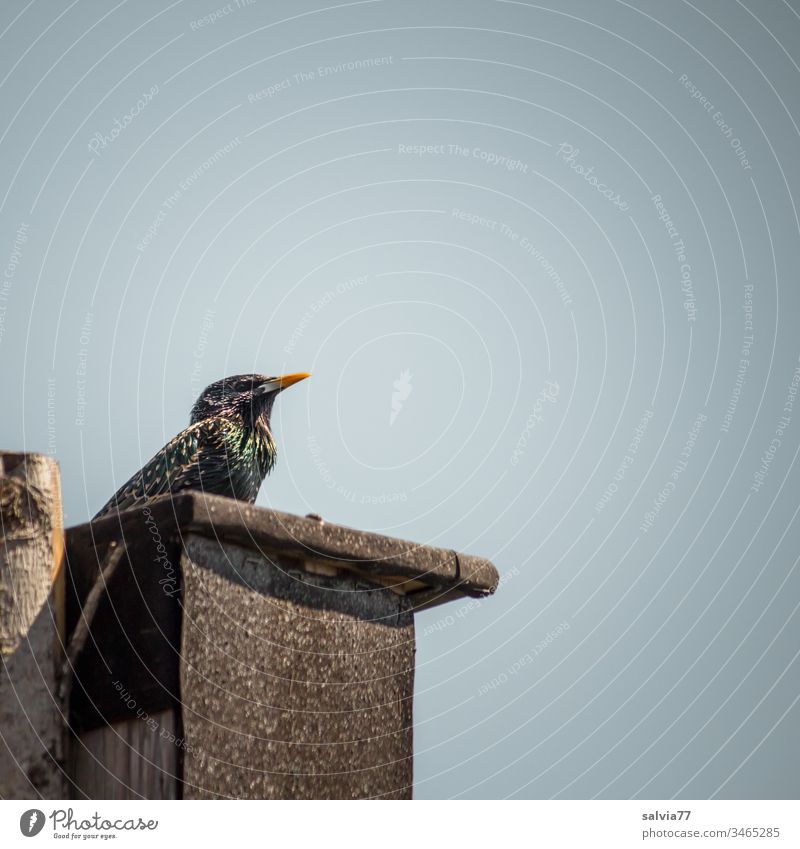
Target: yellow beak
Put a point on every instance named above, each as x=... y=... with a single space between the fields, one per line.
x=289 y=379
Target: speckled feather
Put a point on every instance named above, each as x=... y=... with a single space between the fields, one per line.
x=216 y=455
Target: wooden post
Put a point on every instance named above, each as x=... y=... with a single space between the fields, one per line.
x=226 y=651
x=31 y=627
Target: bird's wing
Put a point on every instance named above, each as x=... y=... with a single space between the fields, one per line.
x=177 y=466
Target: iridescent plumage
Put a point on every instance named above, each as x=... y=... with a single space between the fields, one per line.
x=227 y=449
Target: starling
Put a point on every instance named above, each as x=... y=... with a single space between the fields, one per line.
x=226 y=450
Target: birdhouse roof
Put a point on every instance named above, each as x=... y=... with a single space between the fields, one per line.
x=425 y=574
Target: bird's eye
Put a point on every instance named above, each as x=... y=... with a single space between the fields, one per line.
x=243 y=388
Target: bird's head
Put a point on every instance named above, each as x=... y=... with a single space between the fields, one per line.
x=249 y=396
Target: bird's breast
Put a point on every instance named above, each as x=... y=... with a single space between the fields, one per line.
x=249 y=463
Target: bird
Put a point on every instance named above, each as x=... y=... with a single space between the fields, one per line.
x=227 y=449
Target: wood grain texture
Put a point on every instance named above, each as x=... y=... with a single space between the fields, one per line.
x=31 y=624
x=136 y=759
x=294 y=685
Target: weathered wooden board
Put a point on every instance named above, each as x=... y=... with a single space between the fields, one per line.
x=136 y=759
